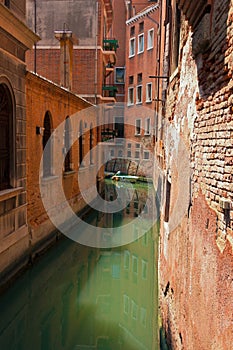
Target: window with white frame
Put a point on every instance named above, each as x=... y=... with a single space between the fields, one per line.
x=149 y=92
x=139 y=94
x=150 y=39
x=126 y=259
x=130 y=96
x=146 y=155
x=140 y=43
x=137 y=154
x=147 y=126
x=144 y=269
x=134 y=310
x=126 y=304
x=132 y=45
x=138 y=126
x=135 y=264
x=128 y=154
x=143 y=316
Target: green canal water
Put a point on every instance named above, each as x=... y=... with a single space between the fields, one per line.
x=77 y=297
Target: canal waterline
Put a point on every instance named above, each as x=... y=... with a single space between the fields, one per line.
x=78 y=297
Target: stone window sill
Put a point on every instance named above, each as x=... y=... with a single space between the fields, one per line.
x=49 y=178
x=10 y=193
x=68 y=173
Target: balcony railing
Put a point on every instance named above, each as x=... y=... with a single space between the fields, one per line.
x=109 y=91
x=110 y=45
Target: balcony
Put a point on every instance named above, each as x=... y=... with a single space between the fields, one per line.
x=110 y=45
x=109 y=91
x=109 y=50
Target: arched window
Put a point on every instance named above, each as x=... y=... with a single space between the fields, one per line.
x=6 y=137
x=67 y=143
x=80 y=143
x=47 y=160
x=91 y=144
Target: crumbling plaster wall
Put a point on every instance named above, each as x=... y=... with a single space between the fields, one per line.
x=196 y=260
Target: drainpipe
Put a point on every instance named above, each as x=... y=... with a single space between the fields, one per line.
x=96 y=51
x=35 y=29
x=157 y=70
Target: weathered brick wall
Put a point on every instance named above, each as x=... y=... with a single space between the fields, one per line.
x=196 y=260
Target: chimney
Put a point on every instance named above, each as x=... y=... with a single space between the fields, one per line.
x=66 y=56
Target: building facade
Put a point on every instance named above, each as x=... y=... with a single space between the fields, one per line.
x=94 y=50
x=141 y=88
x=16 y=39
x=50 y=107
x=196 y=160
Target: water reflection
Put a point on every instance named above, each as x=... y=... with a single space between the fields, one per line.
x=77 y=297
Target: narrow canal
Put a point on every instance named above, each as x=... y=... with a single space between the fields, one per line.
x=78 y=297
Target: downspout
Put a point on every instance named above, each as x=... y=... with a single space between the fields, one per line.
x=158 y=69
x=35 y=29
x=96 y=51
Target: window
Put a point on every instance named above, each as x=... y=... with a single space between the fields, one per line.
x=143 y=316
x=144 y=269
x=138 y=126
x=120 y=153
x=132 y=47
x=47 y=159
x=146 y=155
x=134 y=310
x=6 y=137
x=130 y=79
x=145 y=240
x=67 y=144
x=149 y=92
x=91 y=145
x=7 y=3
x=139 y=94
x=126 y=259
x=139 y=78
x=119 y=75
x=137 y=145
x=130 y=96
x=140 y=43
x=150 y=39
x=112 y=152
x=80 y=143
x=167 y=201
x=137 y=154
x=132 y=30
x=129 y=154
x=126 y=304
x=135 y=268
x=134 y=264
x=129 y=145
x=141 y=26
x=147 y=126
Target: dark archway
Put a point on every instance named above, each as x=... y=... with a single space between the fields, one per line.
x=47 y=160
x=6 y=137
x=80 y=143
x=67 y=142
